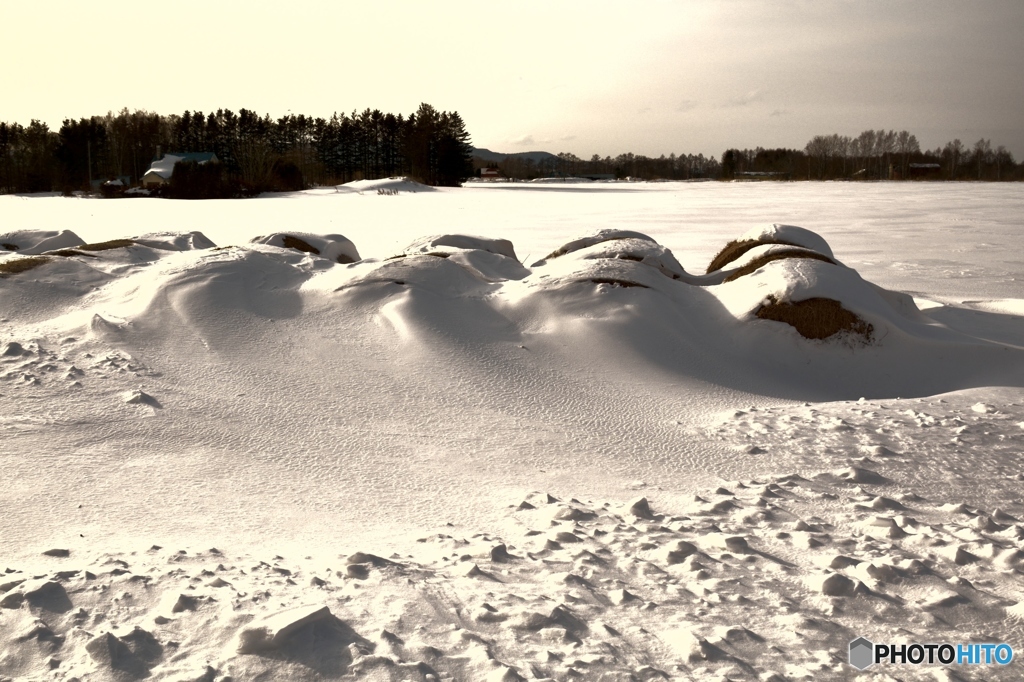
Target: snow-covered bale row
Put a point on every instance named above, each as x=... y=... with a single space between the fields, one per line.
x=777 y=297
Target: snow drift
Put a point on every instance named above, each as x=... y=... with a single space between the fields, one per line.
x=739 y=326
x=309 y=405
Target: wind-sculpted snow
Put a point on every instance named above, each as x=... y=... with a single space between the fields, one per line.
x=332 y=246
x=381 y=423
x=175 y=241
x=619 y=287
x=755 y=579
x=32 y=242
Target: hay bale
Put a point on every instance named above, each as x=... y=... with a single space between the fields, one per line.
x=333 y=247
x=584 y=242
x=13 y=266
x=561 y=251
x=291 y=242
x=462 y=242
x=68 y=253
x=816 y=318
x=106 y=246
x=763 y=260
x=738 y=247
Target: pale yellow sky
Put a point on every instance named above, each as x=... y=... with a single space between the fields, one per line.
x=585 y=77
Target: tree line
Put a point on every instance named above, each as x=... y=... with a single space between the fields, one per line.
x=256 y=153
x=872 y=155
x=875 y=155
x=636 y=166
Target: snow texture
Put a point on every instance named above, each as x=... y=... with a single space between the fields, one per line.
x=232 y=457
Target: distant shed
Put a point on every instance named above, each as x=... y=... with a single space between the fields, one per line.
x=923 y=171
x=161 y=170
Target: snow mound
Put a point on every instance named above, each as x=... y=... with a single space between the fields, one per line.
x=789 y=234
x=492 y=260
x=393 y=184
x=330 y=246
x=502 y=247
x=175 y=241
x=798 y=278
x=774 y=234
x=636 y=249
x=759 y=256
x=590 y=240
x=34 y=242
x=785 y=326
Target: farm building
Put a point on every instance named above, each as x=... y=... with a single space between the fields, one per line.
x=161 y=170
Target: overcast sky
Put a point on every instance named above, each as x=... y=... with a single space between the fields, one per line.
x=584 y=77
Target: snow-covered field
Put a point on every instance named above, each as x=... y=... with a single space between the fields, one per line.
x=509 y=452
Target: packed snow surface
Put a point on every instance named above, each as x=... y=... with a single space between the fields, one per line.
x=510 y=432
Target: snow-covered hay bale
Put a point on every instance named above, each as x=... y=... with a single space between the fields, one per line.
x=645 y=251
x=816 y=318
x=330 y=246
x=107 y=246
x=584 y=242
x=774 y=254
x=611 y=272
x=437 y=244
x=789 y=234
x=774 y=234
x=492 y=260
x=35 y=242
x=88 y=250
x=13 y=266
x=175 y=241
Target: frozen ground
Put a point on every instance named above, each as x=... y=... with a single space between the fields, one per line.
x=290 y=409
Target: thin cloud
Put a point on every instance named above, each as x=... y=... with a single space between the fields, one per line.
x=748 y=98
x=686 y=105
x=779 y=112
x=524 y=141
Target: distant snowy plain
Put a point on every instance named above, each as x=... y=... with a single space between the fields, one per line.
x=267 y=402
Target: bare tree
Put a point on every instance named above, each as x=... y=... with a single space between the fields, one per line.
x=954 y=151
x=906 y=144
x=866 y=144
x=982 y=154
x=818 y=149
x=885 y=146
x=1002 y=157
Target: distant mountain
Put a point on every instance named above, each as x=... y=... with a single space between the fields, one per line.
x=494 y=157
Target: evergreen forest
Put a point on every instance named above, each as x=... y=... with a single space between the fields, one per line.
x=256 y=153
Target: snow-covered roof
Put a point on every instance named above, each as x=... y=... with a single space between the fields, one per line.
x=165 y=167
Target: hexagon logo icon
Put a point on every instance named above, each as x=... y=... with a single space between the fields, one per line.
x=862 y=653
